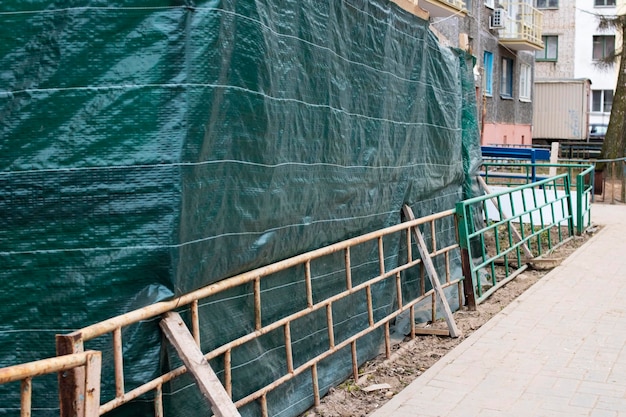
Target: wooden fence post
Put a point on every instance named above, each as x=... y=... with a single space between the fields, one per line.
x=468 y=285
x=71 y=382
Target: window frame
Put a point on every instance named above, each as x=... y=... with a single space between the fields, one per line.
x=506 y=82
x=488 y=73
x=525 y=82
x=604 y=46
x=549 y=6
x=601 y=105
x=595 y=3
x=545 y=58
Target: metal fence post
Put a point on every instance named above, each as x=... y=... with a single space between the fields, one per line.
x=568 y=191
x=580 y=193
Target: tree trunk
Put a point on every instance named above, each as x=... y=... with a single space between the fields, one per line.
x=615 y=140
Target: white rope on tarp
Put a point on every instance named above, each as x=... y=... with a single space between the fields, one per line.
x=269 y=29
x=196 y=241
x=227 y=161
x=128 y=87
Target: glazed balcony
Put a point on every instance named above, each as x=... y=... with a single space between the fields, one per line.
x=519 y=26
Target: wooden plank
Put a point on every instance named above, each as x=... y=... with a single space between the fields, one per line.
x=71 y=385
x=503 y=216
x=434 y=332
x=468 y=283
x=209 y=384
x=41 y=367
x=432 y=274
x=118 y=360
x=92 y=384
x=26 y=397
x=158 y=401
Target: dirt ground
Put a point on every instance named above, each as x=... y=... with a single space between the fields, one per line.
x=380 y=379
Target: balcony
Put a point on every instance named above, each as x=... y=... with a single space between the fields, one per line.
x=434 y=8
x=443 y=8
x=519 y=26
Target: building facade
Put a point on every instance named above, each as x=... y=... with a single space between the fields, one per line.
x=574 y=48
x=503 y=36
x=508 y=35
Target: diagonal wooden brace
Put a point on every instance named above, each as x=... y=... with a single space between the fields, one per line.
x=432 y=274
x=503 y=216
x=212 y=389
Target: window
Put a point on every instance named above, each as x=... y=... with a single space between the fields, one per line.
x=512 y=9
x=488 y=64
x=550 y=4
x=525 y=82
x=604 y=3
x=603 y=46
x=550 y=50
x=506 y=79
x=601 y=101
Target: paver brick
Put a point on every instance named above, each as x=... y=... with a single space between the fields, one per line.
x=558 y=351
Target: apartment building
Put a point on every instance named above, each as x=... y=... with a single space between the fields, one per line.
x=503 y=36
x=574 y=45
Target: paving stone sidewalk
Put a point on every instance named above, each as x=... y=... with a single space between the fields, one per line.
x=559 y=350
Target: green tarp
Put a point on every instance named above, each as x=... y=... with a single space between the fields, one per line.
x=148 y=148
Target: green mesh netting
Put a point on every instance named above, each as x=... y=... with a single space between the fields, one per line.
x=150 y=147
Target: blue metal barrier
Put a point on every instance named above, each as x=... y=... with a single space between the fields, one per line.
x=530 y=154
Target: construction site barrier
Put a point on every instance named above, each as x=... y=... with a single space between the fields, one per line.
x=498 y=234
x=189 y=302
x=90 y=361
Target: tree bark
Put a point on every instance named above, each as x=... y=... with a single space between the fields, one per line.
x=615 y=139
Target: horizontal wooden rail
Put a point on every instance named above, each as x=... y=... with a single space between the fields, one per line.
x=155 y=310
x=114 y=326
x=340 y=346
x=151 y=385
x=44 y=366
x=88 y=403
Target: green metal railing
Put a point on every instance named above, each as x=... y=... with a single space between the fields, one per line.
x=582 y=181
x=533 y=218
x=585 y=184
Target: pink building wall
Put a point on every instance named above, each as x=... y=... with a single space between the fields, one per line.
x=505 y=134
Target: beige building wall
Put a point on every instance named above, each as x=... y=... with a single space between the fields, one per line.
x=559 y=22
